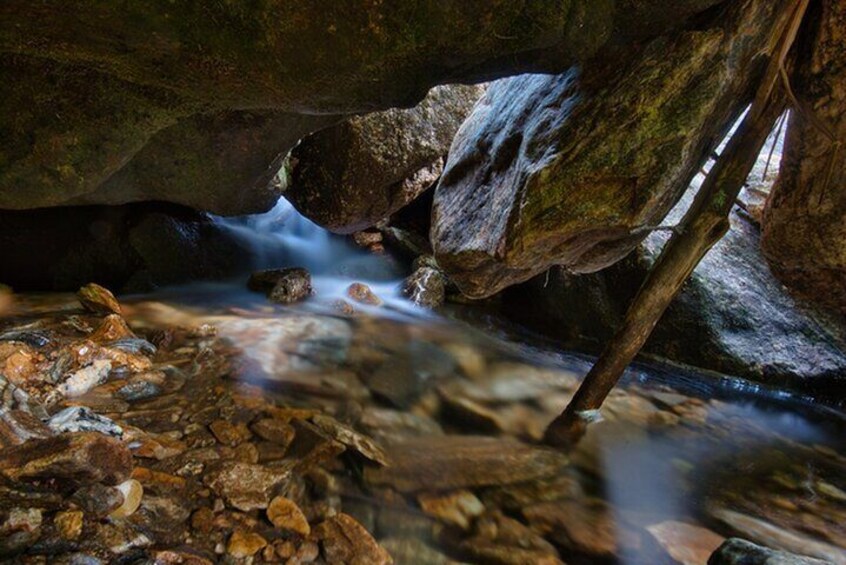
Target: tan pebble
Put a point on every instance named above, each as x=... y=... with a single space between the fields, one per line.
x=132 y=492
x=284 y=514
x=202 y=520
x=285 y=549
x=69 y=524
x=244 y=544
x=228 y=433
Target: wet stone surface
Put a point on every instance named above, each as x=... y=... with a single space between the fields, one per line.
x=159 y=432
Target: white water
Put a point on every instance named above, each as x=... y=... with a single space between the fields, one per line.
x=282 y=237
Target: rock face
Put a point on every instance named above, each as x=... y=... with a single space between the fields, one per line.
x=351 y=176
x=132 y=247
x=573 y=169
x=89 y=90
x=805 y=219
x=732 y=316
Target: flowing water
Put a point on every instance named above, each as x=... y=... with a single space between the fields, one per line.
x=439 y=417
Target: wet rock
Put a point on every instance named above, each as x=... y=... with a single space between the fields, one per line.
x=351 y=176
x=98 y=500
x=69 y=524
x=245 y=486
x=501 y=540
x=456 y=462
x=230 y=433
x=17 y=427
x=98 y=299
x=459 y=508
x=362 y=294
x=86 y=378
x=575 y=169
x=425 y=287
x=132 y=493
x=586 y=526
x=112 y=328
x=244 y=544
x=406 y=375
x=772 y=535
x=82 y=419
x=350 y=438
x=392 y=425
x=19 y=529
x=274 y=430
x=685 y=543
x=741 y=552
x=411 y=550
x=285 y=515
x=283 y=286
x=82 y=458
x=346 y=542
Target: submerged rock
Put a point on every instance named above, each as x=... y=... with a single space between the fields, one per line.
x=346 y=542
x=79 y=458
x=575 y=169
x=351 y=176
x=741 y=552
x=454 y=462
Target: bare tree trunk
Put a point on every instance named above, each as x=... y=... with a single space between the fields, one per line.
x=704 y=224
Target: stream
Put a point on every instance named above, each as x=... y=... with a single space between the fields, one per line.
x=424 y=428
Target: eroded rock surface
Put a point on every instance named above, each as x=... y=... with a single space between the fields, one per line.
x=91 y=89
x=574 y=169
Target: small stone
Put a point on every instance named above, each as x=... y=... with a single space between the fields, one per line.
x=112 y=328
x=244 y=544
x=132 y=492
x=82 y=419
x=245 y=486
x=98 y=300
x=86 y=378
x=685 y=543
x=202 y=520
x=228 y=433
x=425 y=287
x=459 y=508
x=345 y=541
x=80 y=458
x=69 y=524
x=282 y=286
x=350 y=438
x=98 y=500
x=274 y=430
x=362 y=294
x=285 y=515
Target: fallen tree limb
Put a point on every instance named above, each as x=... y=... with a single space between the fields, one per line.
x=705 y=223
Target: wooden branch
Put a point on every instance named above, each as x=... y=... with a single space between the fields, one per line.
x=705 y=223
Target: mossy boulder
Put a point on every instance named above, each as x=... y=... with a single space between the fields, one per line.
x=575 y=169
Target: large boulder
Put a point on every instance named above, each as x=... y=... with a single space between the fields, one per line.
x=88 y=86
x=805 y=218
x=732 y=316
x=133 y=247
x=574 y=169
x=351 y=176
